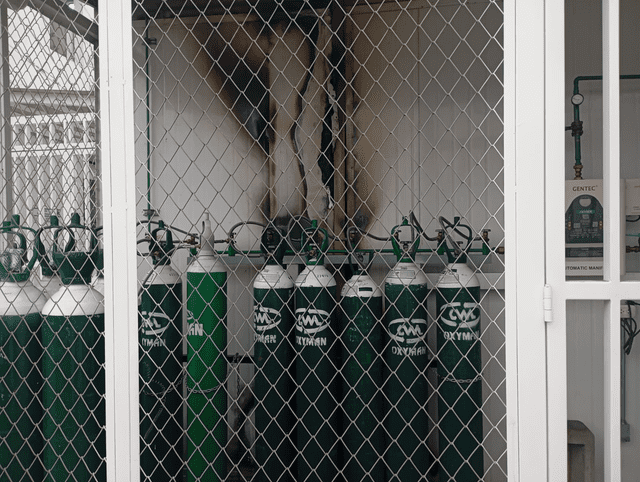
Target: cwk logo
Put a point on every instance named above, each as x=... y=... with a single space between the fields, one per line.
x=266 y=318
x=465 y=315
x=408 y=330
x=311 y=321
x=154 y=324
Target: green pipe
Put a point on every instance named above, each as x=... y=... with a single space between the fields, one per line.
x=483 y=250
x=580 y=78
x=576 y=108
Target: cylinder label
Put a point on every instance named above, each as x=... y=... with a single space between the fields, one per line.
x=460 y=314
x=310 y=321
x=408 y=330
x=265 y=320
x=153 y=327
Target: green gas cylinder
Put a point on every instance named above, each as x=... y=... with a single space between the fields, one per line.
x=406 y=388
x=316 y=365
x=460 y=366
x=73 y=368
x=273 y=353
x=160 y=348
x=206 y=363
x=362 y=402
x=20 y=353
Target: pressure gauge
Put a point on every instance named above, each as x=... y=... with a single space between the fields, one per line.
x=577 y=99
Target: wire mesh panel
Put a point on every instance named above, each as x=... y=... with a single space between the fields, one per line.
x=321 y=218
x=320 y=227
x=52 y=317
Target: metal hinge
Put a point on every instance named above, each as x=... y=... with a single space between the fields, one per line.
x=547 y=304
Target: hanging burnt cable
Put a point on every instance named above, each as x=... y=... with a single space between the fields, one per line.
x=630 y=327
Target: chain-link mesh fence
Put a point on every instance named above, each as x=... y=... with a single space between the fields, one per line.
x=355 y=117
x=51 y=334
x=320 y=203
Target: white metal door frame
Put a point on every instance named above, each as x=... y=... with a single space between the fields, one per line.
x=612 y=289
x=525 y=64
x=119 y=207
x=526 y=68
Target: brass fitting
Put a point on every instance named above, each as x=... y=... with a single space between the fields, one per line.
x=578 y=169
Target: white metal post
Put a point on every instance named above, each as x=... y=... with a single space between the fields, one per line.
x=524 y=187
x=511 y=328
x=5 y=114
x=119 y=201
x=611 y=290
x=554 y=167
x=611 y=185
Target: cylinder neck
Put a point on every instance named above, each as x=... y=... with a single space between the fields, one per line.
x=74 y=267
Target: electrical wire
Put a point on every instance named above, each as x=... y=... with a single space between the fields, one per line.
x=369 y=235
x=296 y=219
x=414 y=221
x=630 y=327
x=352 y=249
x=168 y=226
x=446 y=225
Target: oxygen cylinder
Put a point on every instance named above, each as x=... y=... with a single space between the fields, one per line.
x=459 y=368
x=161 y=364
x=206 y=363
x=406 y=388
x=273 y=354
x=73 y=368
x=21 y=305
x=316 y=365
x=362 y=346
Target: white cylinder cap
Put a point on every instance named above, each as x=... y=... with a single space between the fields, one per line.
x=206 y=239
